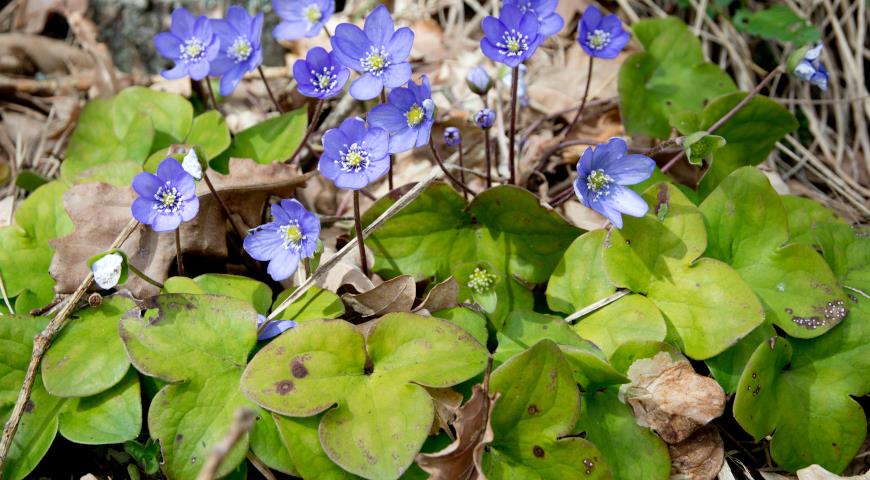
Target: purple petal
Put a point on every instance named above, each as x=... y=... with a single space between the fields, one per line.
x=180 y=70
x=328 y=167
x=302 y=72
x=181 y=23
x=350 y=45
x=202 y=29
x=630 y=169
x=611 y=24
x=283 y=264
x=143 y=210
x=493 y=29
x=582 y=190
x=220 y=65
x=397 y=75
x=584 y=166
x=529 y=25
x=511 y=16
x=279 y=214
x=403 y=140
x=146 y=184
x=198 y=70
x=334 y=140
x=425 y=87
x=168 y=45
x=230 y=80
x=613 y=149
x=377 y=169
x=274 y=328
x=379 y=26
x=591 y=17
x=402 y=98
x=608 y=211
x=367 y=86
x=170 y=170
x=263 y=244
x=256 y=30
x=340 y=81
x=423 y=133
x=354 y=129
x=212 y=50
x=189 y=209
x=491 y=51
x=352 y=181
x=399 y=46
x=293 y=209
x=626 y=201
x=290 y=30
x=318 y=58
x=225 y=30
x=388 y=117
x=165 y=223
x=286 y=9
x=551 y=25
x=376 y=139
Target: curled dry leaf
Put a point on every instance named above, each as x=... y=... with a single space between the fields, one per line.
x=443 y=295
x=346 y=272
x=394 y=295
x=669 y=397
x=26 y=55
x=698 y=457
x=34 y=13
x=461 y=459
x=99 y=211
x=814 y=472
x=447 y=402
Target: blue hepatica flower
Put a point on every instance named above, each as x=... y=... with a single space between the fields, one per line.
x=274 y=328
x=354 y=155
x=602 y=174
x=378 y=53
x=601 y=36
x=545 y=11
x=190 y=43
x=452 y=136
x=166 y=199
x=408 y=116
x=301 y=18
x=290 y=236
x=320 y=75
x=511 y=38
x=240 y=52
x=485 y=118
x=808 y=66
x=478 y=80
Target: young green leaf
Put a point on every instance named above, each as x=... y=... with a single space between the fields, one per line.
x=700 y=146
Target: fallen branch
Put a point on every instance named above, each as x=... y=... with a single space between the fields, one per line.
x=596 y=306
x=40 y=346
x=242 y=424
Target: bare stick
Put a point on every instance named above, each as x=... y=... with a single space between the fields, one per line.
x=444 y=169
x=597 y=305
x=357 y=223
x=260 y=466
x=143 y=276
x=179 y=260
x=311 y=127
x=742 y=103
x=582 y=102
x=269 y=90
x=6 y=297
x=41 y=344
x=515 y=79
x=242 y=424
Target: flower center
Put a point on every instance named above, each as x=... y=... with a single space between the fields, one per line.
x=513 y=43
x=354 y=158
x=192 y=50
x=597 y=39
x=376 y=60
x=526 y=7
x=291 y=236
x=481 y=280
x=168 y=199
x=598 y=183
x=415 y=115
x=325 y=80
x=240 y=50
x=312 y=14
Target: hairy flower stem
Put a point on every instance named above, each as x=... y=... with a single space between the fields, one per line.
x=223 y=205
x=582 y=102
x=143 y=276
x=311 y=127
x=326 y=31
x=214 y=104
x=364 y=264
x=742 y=103
x=447 y=173
x=515 y=80
x=40 y=345
x=390 y=171
x=488 y=148
x=561 y=197
x=179 y=260
x=462 y=171
x=269 y=90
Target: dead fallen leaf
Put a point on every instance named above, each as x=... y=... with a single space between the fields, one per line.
x=99 y=211
x=461 y=460
x=33 y=14
x=698 y=457
x=442 y=295
x=394 y=295
x=447 y=402
x=346 y=272
x=22 y=54
x=669 y=397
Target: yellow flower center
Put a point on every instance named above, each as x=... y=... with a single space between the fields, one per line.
x=513 y=45
x=414 y=115
x=353 y=159
x=292 y=234
x=312 y=14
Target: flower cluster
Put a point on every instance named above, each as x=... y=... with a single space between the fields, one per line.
x=481 y=280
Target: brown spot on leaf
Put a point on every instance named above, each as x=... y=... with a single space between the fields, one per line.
x=284 y=387
x=538 y=451
x=179 y=438
x=298 y=369
x=533 y=409
x=589 y=464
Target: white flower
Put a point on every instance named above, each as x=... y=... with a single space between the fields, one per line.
x=107 y=270
x=191 y=164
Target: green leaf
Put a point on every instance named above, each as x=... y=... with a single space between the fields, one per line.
x=257 y=294
x=631 y=451
x=776 y=23
x=700 y=146
x=113 y=416
x=201 y=344
x=170 y=114
x=314 y=304
x=727 y=367
x=272 y=140
x=303 y=443
x=799 y=392
x=39 y=423
x=365 y=435
x=268 y=446
x=748 y=229
x=467 y=319
x=119 y=173
x=147 y=456
x=88 y=357
x=539 y=404
x=579 y=278
x=631 y=318
x=99 y=140
x=751 y=134
x=670 y=77
x=505 y=226
x=209 y=132
x=498 y=301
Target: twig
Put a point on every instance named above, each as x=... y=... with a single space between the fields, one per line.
x=449 y=175
x=242 y=424
x=357 y=223
x=259 y=465
x=179 y=261
x=313 y=126
x=582 y=102
x=223 y=205
x=515 y=79
x=269 y=90
x=6 y=297
x=461 y=172
x=597 y=305
x=41 y=344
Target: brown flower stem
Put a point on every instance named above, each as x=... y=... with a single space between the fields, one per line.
x=364 y=264
x=488 y=148
x=561 y=197
x=462 y=171
x=444 y=169
x=326 y=31
x=742 y=103
x=179 y=261
x=223 y=205
x=582 y=102
x=143 y=276
x=390 y=171
x=214 y=104
x=269 y=90
x=515 y=79
x=40 y=345
x=311 y=127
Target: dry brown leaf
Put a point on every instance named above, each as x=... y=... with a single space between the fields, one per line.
x=698 y=457
x=26 y=55
x=34 y=13
x=442 y=295
x=99 y=211
x=394 y=295
x=669 y=397
x=447 y=402
x=814 y=472
x=461 y=460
